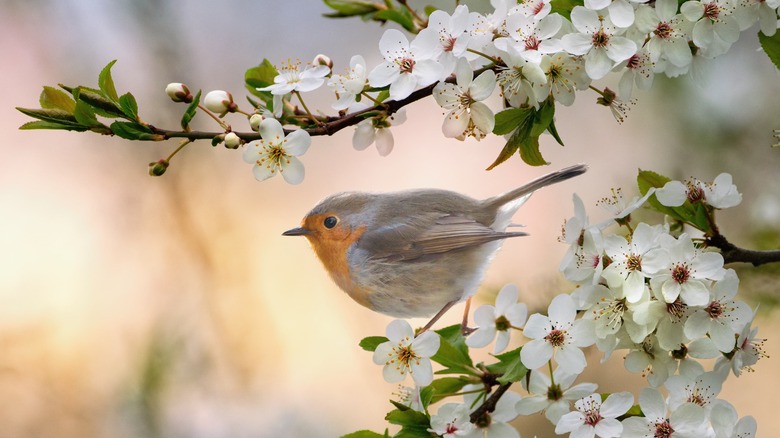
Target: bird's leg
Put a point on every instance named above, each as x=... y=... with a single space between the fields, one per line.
x=465 y=330
x=436 y=317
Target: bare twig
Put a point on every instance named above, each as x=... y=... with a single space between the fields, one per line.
x=733 y=254
x=490 y=404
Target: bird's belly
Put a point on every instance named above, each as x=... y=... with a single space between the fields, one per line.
x=421 y=287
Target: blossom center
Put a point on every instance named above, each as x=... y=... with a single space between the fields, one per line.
x=406 y=65
x=502 y=324
x=556 y=337
x=711 y=11
x=681 y=273
x=715 y=309
x=448 y=42
x=406 y=355
x=634 y=262
x=663 y=430
x=451 y=428
x=532 y=43
x=677 y=308
x=275 y=155
x=663 y=30
x=695 y=193
x=634 y=62
x=592 y=417
x=600 y=39
x=554 y=392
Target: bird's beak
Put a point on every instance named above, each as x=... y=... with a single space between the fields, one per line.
x=300 y=231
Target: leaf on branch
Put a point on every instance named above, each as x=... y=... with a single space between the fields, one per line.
x=509 y=366
x=366 y=434
x=189 y=114
x=51 y=115
x=261 y=76
x=106 y=82
x=510 y=119
x=129 y=106
x=694 y=214
x=413 y=423
x=52 y=98
x=401 y=16
x=102 y=106
x=529 y=152
x=85 y=114
x=40 y=124
x=564 y=7
x=453 y=352
x=441 y=388
x=771 y=46
x=370 y=343
x=134 y=131
x=350 y=8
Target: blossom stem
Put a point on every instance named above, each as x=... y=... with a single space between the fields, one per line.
x=183 y=143
x=549 y=367
x=484 y=55
x=367 y=96
x=221 y=122
x=303 y=104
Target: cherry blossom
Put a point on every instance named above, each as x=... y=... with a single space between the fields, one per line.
x=407 y=66
x=406 y=354
x=277 y=153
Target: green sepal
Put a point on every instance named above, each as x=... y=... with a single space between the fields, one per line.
x=129 y=106
x=453 y=352
x=564 y=7
x=509 y=366
x=383 y=95
x=401 y=16
x=366 y=434
x=189 y=113
x=134 y=131
x=370 y=343
x=52 y=98
x=261 y=76
x=771 y=46
x=40 y=124
x=101 y=105
x=349 y=8
x=53 y=115
x=217 y=139
x=106 y=82
x=441 y=388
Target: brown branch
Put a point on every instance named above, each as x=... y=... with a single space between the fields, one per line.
x=732 y=253
x=330 y=127
x=490 y=404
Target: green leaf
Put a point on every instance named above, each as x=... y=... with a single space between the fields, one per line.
x=564 y=7
x=134 y=131
x=413 y=423
x=129 y=106
x=50 y=115
x=106 y=83
x=430 y=9
x=85 y=114
x=510 y=119
x=693 y=214
x=453 y=353
x=52 y=98
x=101 y=105
x=261 y=76
x=365 y=434
x=441 y=388
x=349 y=8
x=400 y=16
x=771 y=46
x=189 y=114
x=40 y=124
x=510 y=366
x=554 y=132
x=370 y=343
x=529 y=152
x=383 y=95
x=543 y=117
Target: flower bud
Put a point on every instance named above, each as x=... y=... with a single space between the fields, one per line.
x=178 y=92
x=157 y=168
x=325 y=60
x=232 y=140
x=220 y=102
x=254 y=121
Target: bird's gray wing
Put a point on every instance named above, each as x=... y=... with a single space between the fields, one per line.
x=428 y=235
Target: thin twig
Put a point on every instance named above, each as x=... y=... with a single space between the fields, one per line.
x=490 y=404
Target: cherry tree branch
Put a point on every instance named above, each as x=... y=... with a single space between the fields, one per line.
x=732 y=253
x=490 y=404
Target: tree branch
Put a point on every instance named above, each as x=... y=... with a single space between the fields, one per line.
x=733 y=254
x=490 y=404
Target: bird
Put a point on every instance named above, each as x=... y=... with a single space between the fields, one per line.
x=414 y=253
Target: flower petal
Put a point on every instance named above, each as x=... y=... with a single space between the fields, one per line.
x=384 y=141
x=292 y=170
x=297 y=142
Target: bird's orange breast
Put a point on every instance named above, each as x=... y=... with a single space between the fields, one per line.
x=332 y=251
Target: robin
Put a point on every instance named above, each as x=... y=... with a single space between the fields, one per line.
x=414 y=253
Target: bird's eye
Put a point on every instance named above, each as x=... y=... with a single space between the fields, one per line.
x=330 y=221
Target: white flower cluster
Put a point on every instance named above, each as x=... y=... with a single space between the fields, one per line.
x=664 y=299
x=525 y=50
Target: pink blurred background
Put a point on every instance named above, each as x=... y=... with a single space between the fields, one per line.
x=133 y=306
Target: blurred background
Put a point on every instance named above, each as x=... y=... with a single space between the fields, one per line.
x=133 y=306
